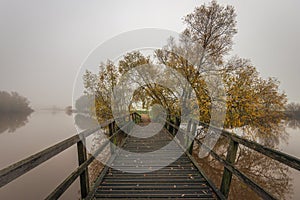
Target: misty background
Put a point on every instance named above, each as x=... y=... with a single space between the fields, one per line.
x=43 y=43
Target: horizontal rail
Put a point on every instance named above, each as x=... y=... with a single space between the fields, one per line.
x=281 y=157
x=255 y=187
x=13 y=171
x=60 y=189
x=19 y=168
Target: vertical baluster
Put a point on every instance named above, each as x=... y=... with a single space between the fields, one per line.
x=177 y=123
x=84 y=176
x=188 y=129
x=227 y=175
x=111 y=131
x=194 y=128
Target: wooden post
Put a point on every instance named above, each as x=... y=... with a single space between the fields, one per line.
x=84 y=176
x=193 y=132
x=111 y=130
x=188 y=129
x=227 y=175
x=171 y=127
x=177 y=123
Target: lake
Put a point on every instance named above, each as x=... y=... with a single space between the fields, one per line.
x=20 y=138
x=43 y=129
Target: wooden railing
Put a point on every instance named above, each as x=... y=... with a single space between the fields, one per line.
x=173 y=124
x=16 y=170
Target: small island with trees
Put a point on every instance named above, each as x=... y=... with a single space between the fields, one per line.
x=14 y=111
x=14 y=103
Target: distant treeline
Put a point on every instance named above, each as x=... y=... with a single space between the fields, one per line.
x=293 y=111
x=14 y=103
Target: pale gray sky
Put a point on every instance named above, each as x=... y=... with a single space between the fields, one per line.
x=43 y=43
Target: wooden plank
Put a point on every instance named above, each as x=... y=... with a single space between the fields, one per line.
x=192 y=143
x=61 y=188
x=84 y=176
x=18 y=169
x=227 y=175
x=211 y=184
x=103 y=172
x=178 y=180
x=284 y=158
x=254 y=186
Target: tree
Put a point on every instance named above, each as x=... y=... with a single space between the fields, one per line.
x=292 y=110
x=212 y=28
x=13 y=103
x=98 y=88
x=253 y=103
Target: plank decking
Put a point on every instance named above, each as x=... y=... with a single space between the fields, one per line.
x=132 y=175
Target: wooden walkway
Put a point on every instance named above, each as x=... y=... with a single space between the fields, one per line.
x=178 y=180
x=150 y=166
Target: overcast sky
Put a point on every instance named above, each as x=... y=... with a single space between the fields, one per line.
x=43 y=43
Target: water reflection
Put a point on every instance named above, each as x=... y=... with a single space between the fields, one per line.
x=10 y=122
x=271 y=175
x=84 y=121
x=82 y=113
x=293 y=123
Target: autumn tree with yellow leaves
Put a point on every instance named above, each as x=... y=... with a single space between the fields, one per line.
x=252 y=103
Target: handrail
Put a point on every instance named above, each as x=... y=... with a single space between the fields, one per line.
x=281 y=157
x=258 y=189
x=19 y=168
x=69 y=180
x=228 y=164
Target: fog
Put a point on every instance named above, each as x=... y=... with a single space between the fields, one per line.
x=43 y=43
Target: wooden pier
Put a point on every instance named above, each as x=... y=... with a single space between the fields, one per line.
x=149 y=177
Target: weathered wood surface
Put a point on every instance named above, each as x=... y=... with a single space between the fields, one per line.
x=84 y=177
x=178 y=180
x=227 y=175
x=61 y=188
x=13 y=171
x=17 y=169
x=284 y=158
x=244 y=178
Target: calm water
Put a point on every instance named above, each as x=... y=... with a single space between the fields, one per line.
x=42 y=130
x=20 y=138
x=281 y=181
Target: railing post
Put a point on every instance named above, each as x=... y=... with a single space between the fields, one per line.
x=192 y=132
x=227 y=175
x=111 y=130
x=188 y=129
x=170 y=128
x=177 y=123
x=84 y=176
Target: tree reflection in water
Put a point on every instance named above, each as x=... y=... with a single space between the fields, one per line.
x=268 y=173
x=293 y=123
x=10 y=122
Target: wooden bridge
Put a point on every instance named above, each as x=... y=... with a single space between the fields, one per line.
x=144 y=178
